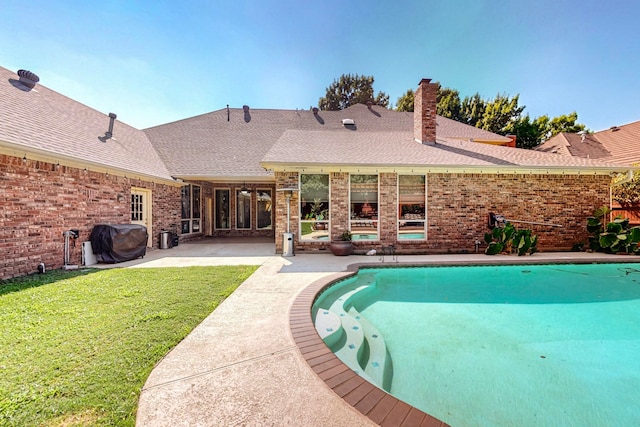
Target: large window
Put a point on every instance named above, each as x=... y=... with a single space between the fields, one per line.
x=222 y=209
x=243 y=209
x=191 y=211
x=314 y=207
x=263 y=209
x=364 y=207
x=411 y=207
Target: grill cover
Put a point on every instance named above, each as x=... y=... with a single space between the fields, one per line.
x=113 y=243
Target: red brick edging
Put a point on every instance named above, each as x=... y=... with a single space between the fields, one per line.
x=379 y=406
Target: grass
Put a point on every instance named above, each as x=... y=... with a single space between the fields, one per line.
x=77 y=347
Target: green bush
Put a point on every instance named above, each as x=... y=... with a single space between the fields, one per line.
x=508 y=240
x=612 y=237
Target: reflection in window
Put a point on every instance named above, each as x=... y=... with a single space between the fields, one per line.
x=411 y=207
x=222 y=210
x=263 y=209
x=190 y=209
x=314 y=207
x=364 y=207
x=243 y=209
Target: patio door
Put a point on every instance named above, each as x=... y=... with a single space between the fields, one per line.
x=141 y=210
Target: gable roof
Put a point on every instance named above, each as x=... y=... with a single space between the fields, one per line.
x=618 y=144
x=41 y=123
x=244 y=144
x=384 y=150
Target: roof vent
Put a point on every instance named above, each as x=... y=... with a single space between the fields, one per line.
x=315 y=111
x=369 y=104
x=614 y=128
x=348 y=122
x=109 y=134
x=28 y=78
x=247 y=115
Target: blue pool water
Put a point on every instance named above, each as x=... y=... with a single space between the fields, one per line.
x=411 y=236
x=542 y=345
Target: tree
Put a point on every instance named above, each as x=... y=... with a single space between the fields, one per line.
x=528 y=132
x=500 y=113
x=405 y=102
x=472 y=109
x=349 y=90
x=565 y=123
x=449 y=104
x=627 y=193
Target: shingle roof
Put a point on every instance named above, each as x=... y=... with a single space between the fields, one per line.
x=618 y=144
x=231 y=144
x=45 y=121
x=224 y=144
x=380 y=149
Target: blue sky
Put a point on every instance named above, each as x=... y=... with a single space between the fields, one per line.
x=153 y=62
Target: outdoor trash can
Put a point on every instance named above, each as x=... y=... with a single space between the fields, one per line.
x=166 y=241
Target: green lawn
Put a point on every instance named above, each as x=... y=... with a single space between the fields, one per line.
x=77 y=347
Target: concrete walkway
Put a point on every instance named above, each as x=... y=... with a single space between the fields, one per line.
x=240 y=366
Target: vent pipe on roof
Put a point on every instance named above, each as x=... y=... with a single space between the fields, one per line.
x=109 y=134
x=315 y=111
x=112 y=118
x=28 y=78
x=228 y=113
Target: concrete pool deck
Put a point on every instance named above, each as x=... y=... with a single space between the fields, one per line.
x=241 y=366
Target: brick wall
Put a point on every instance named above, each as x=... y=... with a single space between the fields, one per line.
x=286 y=180
x=40 y=200
x=458 y=206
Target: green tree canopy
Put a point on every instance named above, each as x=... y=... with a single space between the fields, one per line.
x=349 y=90
x=405 y=102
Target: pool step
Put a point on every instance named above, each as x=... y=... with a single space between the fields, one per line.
x=329 y=327
x=354 y=339
x=378 y=365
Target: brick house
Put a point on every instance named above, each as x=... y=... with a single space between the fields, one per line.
x=617 y=144
x=417 y=181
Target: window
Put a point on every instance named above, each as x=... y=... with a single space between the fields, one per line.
x=314 y=207
x=364 y=207
x=191 y=211
x=243 y=209
x=137 y=207
x=411 y=207
x=263 y=209
x=222 y=209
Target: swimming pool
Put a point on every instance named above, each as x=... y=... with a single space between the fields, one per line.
x=489 y=345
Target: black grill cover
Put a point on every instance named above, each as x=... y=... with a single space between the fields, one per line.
x=118 y=242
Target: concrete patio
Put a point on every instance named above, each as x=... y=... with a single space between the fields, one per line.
x=241 y=366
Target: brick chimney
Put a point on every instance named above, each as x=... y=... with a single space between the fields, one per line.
x=424 y=112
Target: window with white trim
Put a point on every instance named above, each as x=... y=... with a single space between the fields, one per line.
x=411 y=207
x=363 y=204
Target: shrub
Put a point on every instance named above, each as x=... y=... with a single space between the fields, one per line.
x=612 y=237
x=508 y=240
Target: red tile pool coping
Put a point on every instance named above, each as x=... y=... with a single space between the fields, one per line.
x=373 y=402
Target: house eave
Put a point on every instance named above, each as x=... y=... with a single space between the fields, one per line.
x=450 y=169
x=16 y=150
